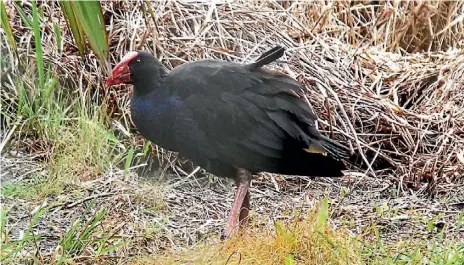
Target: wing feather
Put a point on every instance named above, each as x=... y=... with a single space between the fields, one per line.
x=247 y=115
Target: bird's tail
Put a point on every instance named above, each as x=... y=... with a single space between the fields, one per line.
x=268 y=57
x=334 y=148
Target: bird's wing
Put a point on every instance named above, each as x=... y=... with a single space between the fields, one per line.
x=248 y=115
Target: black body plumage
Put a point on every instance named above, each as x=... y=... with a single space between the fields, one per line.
x=224 y=116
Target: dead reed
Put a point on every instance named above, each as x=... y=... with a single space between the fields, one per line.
x=384 y=76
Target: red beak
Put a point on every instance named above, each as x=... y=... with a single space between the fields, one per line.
x=121 y=72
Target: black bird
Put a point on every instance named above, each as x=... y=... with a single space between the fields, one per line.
x=234 y=120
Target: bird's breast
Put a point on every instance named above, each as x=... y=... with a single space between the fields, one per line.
x=164 y=122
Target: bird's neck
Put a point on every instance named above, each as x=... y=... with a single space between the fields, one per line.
x=150 y=98
x=152 y=81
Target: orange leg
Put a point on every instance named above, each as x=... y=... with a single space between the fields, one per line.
x=241 y=204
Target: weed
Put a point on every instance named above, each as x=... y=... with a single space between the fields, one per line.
x=314 y=241
x=21 y=190
x=12 y=247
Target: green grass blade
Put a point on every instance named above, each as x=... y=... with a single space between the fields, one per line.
x=38 y=44
x=71 y=21
x=111 y=248
x=7 y=27
x=146 y=148
x=290 y=259
x=3 y=214
x=280 y=230
x=460 y=222
x=322 y=216
x=59 y=37
x=22 y=14
x=90 y=17
x=12 y=248
x=51 y=85
x=129 y=158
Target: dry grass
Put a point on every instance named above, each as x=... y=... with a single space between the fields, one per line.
x=310 y=239
x=357 y=60
x=400 y=109
x=305 y=240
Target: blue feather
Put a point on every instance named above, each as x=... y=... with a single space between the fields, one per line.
x=159 y=104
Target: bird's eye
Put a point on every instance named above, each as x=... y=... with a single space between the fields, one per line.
x=137 y=60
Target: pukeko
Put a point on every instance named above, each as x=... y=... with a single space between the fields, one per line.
x=234 y=120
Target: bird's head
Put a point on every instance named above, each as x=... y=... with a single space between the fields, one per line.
x=135 y=67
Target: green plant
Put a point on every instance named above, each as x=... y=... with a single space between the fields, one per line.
x=71 y=131
x=7 y=27
x=11 y=247
x=38 y=45
x=85 y=233
x=85 y=19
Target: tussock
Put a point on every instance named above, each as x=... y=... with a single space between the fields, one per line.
x=384 y=78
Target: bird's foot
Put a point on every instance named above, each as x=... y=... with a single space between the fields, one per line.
x=231 y=229
x=225 y=234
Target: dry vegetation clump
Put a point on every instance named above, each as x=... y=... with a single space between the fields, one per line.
x=359 y=62
x=407 y=26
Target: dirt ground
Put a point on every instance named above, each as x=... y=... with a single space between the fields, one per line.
x=159 y=211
